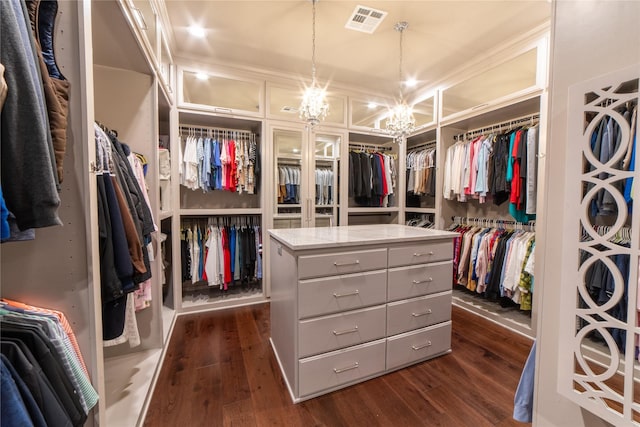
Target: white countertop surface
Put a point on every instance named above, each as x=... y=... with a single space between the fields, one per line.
x=353 y=235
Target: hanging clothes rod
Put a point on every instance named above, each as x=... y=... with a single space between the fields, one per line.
x=422 y=145
x=531 y=118
x=492 y=222
x=214 y=129
x=369 y=147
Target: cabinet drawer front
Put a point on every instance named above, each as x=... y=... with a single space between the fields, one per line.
x=421 y=253
x=417 y=345
x=340 y=293
x=340 y=367
x=409 y=282
x=342 y=330
x=341 y=263
x=407 y=315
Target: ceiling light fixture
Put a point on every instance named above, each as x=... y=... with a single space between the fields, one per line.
x=197 y=31
x=401 y=122
x=314 y=106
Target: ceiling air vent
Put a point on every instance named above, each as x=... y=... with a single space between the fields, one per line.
x=365 y=19
x=288 y=109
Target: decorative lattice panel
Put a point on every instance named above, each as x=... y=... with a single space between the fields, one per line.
x=602 y=353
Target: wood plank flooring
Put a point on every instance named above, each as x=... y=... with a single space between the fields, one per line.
x=219 y=370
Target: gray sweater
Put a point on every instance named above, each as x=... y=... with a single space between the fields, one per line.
x=28 y=177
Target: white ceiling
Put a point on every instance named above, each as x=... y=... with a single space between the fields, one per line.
x=275 y=36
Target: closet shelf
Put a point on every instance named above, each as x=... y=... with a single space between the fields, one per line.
x=289 y=205
x=165 y=215
x=207 y=212
x=420 y=210
x=372 y=210
x=286 y=216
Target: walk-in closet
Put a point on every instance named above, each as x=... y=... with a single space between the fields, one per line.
x=274 y=212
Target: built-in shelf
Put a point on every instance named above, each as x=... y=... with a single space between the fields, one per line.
x=372 y=210
x=227 y=212
x=165 y=215
x=420 y=210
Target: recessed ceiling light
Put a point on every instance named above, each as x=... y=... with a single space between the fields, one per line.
x=372 y=105
x=202 y=76
x=197 y=31
x=411 y=82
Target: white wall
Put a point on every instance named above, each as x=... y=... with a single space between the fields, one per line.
x=589 y=39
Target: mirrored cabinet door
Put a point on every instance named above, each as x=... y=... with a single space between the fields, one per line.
x=325 y=194
x=288 y=176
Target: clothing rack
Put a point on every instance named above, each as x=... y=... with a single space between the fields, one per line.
x=494 y=223
x=209 y=130
x=423 y=145
x=531 y=119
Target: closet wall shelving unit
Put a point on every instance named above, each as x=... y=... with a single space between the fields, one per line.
x=417 y=206
x=132 y=93
x=359 y=213
x=497 y=104
x=113 y=80
x=216 y=208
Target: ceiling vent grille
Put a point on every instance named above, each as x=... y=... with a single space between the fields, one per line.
x=365 y=19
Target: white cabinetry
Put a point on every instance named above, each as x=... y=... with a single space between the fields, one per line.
x=351 y=303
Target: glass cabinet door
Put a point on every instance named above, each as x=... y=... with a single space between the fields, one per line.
x=324 y=194
x=288 y=177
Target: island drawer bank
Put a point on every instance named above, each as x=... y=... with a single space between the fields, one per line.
x=351 y=303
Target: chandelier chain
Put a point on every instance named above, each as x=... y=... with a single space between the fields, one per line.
x=314 y=106
x=401 y=29
x=313 y=45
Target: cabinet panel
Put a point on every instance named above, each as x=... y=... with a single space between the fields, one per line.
x=222 y=93
x=408 y=282
x=413 y=346
x=344 y=292
x=341 y=367
x=341 y=263
x=511 y=77
x=403 y=316
x=420 y=254
x=340 y=330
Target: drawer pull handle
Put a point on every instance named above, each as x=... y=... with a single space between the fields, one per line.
x=338 y=264
x=346 y=331
x=424 y=313
x=419 y=347
x=348 y=294
x=423 y=254
x=430 y=279
x=348 y=368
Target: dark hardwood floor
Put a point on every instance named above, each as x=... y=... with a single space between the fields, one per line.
x=220 y=370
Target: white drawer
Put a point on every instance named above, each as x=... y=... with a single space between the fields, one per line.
x=340 y=367
x=341 y=293
x=407 y=315
x=409 y=282
x=341 y=263
x=417 y=345
x=421 y=253
x=330 y=333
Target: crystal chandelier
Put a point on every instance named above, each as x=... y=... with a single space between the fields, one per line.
x=314 y=106
x=401 y=122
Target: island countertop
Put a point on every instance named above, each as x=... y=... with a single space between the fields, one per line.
x=354 y=235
